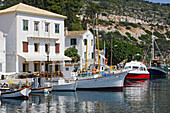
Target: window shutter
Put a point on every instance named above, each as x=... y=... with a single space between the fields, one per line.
x=57 y=48
x=25 y=46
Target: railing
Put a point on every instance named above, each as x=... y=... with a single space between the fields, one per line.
x=43 y=74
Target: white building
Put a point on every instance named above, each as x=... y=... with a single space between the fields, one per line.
x=78 y=39
x=2 y=53
x=32 y=32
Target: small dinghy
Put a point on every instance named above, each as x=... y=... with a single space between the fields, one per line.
x=39 y=87
x=22 y=93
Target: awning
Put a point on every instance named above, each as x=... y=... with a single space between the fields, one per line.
x=44 y=57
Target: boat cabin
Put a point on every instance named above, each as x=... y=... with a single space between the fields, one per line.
x=133 y=65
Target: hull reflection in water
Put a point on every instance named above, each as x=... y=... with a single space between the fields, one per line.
x=136 y=92
x=111 y=97
x=13 y=105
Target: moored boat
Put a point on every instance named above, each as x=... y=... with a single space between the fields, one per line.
x=22 y=93
x=39 y=86
x=59 y=84
x=137 y=71
x=113 y=82
x=41 y=90
x=158 y=71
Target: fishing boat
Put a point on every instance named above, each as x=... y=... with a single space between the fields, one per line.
x=59 y=84
x=137 y=71
x=111 y=82
x=39 y=86
x=22 y=93
x=157 y=68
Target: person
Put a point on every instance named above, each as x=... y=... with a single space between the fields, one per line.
x=115 y=68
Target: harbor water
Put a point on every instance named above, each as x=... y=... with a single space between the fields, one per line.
x=148 y=97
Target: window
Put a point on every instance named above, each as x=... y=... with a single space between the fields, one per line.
x=47 y=47
x=25 y=46
x=25 y=25
x=84 y=54
x=92 y=55
x=36 y=66
x=46 y=27
x=25 y=67
x=56 y=28
x=85 y=41
x=57 y=48
x=36 y=47
x=91 y=42
x=73 y=41
x=36 y=26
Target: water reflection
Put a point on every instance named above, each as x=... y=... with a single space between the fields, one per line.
x=137 y=92
x=150 y=97
x=13 y=105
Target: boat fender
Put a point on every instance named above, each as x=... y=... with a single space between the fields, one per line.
x=94 y=70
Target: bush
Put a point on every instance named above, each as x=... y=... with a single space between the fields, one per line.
x=148 y=32
x=128 y=27
x=159 y=35
x=128 y=34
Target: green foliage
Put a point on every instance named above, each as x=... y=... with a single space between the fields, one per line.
x=159 y=35
x=92 y=9
x=148 y=32
x=145 y=37
x=128 y=34
x=168 y=34
x=128 y=27
x=72 y=52
x=104 y=22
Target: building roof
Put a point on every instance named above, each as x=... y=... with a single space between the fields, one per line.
x=75 y=33
x=27 y=9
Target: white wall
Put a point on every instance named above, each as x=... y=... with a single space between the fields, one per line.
x=7 y=26
x=80 y=44
x=43 y=37
x=2 y=52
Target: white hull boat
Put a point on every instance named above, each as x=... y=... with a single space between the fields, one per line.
x=22 y=93
x=114 y=82
x=62 y=85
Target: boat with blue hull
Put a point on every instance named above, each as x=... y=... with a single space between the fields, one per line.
x=158 y=68
x=157 y=72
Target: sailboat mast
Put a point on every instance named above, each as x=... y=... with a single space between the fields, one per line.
x=97 y=45
x=86 y=55
x=152 y=49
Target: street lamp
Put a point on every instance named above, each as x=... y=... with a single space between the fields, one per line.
x=47 y=62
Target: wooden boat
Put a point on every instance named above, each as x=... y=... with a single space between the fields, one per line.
x=113 y=82
x=59 y=84
x=41 y=90
x=138 y=71
x=39 y=86
x=22 y=93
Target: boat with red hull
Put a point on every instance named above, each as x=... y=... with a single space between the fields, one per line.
x=138 y=72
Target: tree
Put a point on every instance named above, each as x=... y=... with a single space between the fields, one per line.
x=72 y=52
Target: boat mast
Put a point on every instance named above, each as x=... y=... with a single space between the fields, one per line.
x=97 y=45
x=94 y=42
x=152 y=49
x=86 y=55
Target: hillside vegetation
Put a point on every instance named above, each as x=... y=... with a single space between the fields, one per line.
x=129 y=23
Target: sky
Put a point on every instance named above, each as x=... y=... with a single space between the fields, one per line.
x=159 y=1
